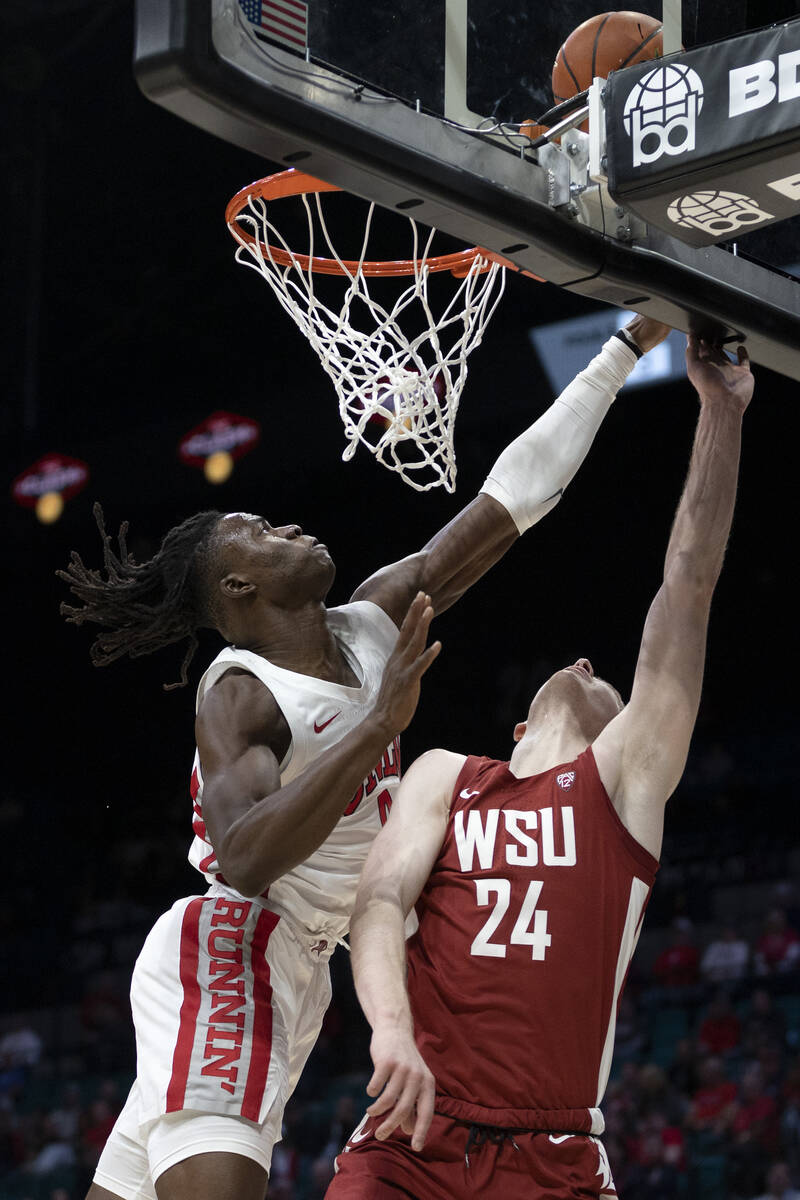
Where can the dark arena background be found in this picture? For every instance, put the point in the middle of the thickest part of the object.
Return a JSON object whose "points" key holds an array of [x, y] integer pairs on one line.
{"points": [[128, 323]]}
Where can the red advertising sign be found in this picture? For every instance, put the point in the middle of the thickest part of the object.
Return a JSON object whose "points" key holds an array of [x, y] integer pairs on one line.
{"points": [[51, 473], [222, 432]]}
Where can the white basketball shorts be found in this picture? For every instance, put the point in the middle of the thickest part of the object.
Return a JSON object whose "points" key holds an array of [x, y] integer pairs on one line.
{"points": [[227, 1000]]}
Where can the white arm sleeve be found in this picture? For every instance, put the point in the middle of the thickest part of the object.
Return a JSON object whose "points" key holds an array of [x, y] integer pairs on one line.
{"points": [[531, 474]]}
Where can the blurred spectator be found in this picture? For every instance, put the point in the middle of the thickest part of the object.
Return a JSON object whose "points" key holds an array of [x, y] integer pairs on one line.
{"points": [[20, 1050], [677, 965], [656, 1098], [754, 1132], [721, 1030], [97, 1125], [52, 1152], [652, 1172], [755, 1116], [621, 1167], [322, 1170], [674, 1143], [790, 1117], [344, 1120], [712, 1105], [281, 1189], [683, 1070], [65, 1119], [630, 1037], [283, 1169], [12, 1142], [778, 949], [771, 1058], [764, 1023], [106, 1020], [21, 1046], [619, 1108], [779, 1184], [669, 1134], [786, 895], [725, 959]]}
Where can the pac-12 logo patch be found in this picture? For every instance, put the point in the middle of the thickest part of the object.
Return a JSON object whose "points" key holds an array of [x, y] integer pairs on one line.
{"points": [[565, 780]]}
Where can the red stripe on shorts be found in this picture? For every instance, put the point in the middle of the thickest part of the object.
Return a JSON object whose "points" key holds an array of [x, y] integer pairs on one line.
{"points": [[189, 957], [262, 1017]]}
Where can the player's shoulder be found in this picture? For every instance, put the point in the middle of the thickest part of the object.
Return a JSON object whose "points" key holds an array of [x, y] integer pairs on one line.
{"points": [[426, 792], [392, 588], [239, 703], [436, 767]]}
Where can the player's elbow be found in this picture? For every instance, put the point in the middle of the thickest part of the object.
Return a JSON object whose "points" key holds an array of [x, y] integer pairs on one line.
{"points": [[245, 878], [246, 868]]}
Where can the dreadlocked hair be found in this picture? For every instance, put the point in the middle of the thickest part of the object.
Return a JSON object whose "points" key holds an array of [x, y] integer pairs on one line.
{"points": [[145, 606]]}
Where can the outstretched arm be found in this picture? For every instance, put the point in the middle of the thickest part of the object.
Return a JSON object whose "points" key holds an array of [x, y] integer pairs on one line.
{"points": [[260, 830], [641, 754], [394, 874], [525, 483]]}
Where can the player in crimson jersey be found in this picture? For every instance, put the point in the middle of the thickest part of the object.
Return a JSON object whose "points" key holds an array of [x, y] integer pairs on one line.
{"points": [[530, 880], [297, 762]]}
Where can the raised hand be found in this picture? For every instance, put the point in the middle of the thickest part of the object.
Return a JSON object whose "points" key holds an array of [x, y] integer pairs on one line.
{"points": [[716, 376], [408, 662], [405, 1084]]}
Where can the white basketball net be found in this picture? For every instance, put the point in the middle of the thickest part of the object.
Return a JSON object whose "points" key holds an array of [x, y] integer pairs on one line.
{"points": [[406, 388]]}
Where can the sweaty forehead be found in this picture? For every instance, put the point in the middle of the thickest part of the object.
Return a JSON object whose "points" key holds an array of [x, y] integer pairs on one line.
{"points": [[235, 528]]}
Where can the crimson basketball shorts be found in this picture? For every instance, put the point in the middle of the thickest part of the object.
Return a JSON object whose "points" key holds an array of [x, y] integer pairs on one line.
{"points": [[463, 1162], [228, 999]]}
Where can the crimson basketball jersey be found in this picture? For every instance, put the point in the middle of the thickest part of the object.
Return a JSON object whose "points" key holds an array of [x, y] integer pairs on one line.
{"points": [[527, 926]]}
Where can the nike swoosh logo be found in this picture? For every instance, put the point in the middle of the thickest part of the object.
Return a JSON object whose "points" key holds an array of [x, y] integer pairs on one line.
{"points": [[359, 1133], [325, 724], [466, 794]]}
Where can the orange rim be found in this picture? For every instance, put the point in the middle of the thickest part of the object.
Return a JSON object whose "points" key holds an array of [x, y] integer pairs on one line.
{"points": [[297, 183]]}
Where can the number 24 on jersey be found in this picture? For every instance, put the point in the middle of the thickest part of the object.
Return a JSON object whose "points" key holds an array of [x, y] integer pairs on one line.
{"points": [[530, 927]]}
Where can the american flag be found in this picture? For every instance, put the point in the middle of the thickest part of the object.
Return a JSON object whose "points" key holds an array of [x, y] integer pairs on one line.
{"points": [[283, 21]]}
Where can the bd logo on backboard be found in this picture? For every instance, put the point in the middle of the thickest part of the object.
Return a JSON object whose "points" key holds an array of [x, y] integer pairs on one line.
{"points": [[716, 212], [661, 111]]}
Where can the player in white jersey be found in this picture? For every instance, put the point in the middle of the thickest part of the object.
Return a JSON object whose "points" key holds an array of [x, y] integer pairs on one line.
{"points": [[297, 757]]}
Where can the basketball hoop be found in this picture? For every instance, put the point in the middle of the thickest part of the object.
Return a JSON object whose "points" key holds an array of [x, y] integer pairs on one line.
{"points": [[408, 387]]}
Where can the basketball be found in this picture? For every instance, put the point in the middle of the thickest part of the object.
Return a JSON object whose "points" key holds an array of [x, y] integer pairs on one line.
{"points": [[532, 129], [605, 43]]}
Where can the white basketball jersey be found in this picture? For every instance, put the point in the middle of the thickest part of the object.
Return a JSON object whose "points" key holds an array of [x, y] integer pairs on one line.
{"points": [[319, 893]]}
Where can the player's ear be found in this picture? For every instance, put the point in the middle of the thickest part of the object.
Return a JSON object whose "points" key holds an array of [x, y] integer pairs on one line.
{"points": [[519, 730], [233, 585]]}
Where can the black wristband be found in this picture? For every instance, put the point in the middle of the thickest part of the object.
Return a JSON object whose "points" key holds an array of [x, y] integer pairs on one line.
{"points": [[629, 342]]}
